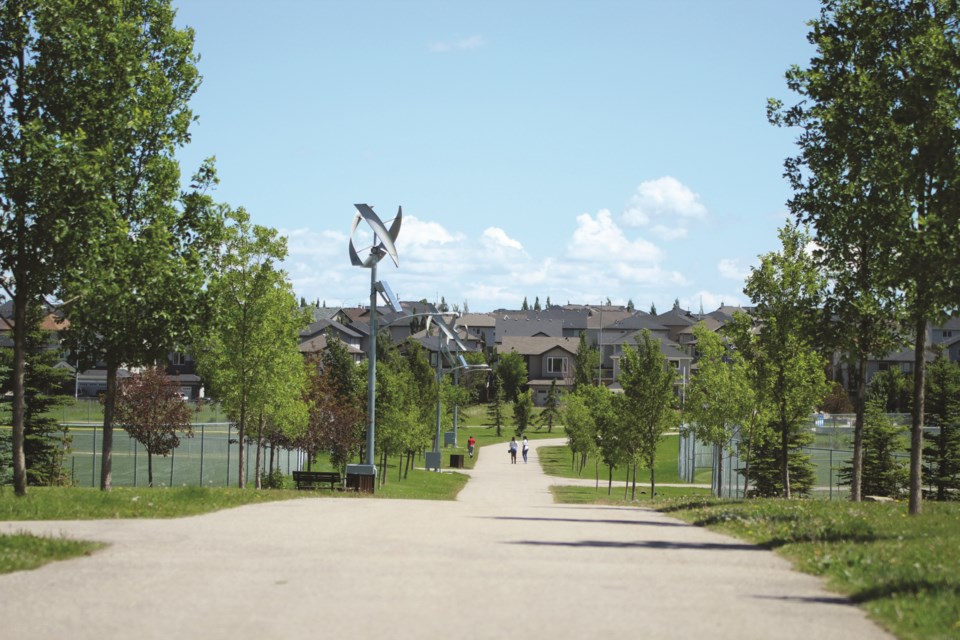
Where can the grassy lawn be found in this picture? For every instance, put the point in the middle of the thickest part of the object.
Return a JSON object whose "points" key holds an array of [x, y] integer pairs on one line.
{"points": [[76, 503], [591, 495], [22, 552], [558, 461], [905, 571]]}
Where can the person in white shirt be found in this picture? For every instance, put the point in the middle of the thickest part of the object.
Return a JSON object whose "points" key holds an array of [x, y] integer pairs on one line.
{"points": [[526, 447]]}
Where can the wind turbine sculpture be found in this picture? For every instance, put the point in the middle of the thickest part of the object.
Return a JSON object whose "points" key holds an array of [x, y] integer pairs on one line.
{"points": [[384, 243]]}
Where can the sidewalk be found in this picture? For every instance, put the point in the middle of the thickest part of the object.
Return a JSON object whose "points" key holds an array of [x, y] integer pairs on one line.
{"points": [[503, 561]]}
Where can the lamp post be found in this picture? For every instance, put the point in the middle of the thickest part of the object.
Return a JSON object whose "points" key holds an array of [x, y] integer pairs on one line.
{"points": [[383, 244], [433, 459]]}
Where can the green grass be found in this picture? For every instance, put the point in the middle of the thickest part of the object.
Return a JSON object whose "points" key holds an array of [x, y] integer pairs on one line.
{"points": [[75, 503], [904, 570], [591, 495], [22, 551], [423, 485], [558, 461]]}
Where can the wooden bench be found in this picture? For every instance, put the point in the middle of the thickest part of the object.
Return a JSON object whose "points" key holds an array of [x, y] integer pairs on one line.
{"points": [[313, 479]]}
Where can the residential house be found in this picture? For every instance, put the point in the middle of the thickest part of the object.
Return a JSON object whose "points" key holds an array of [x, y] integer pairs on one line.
{"points": [[674, 353], [549, 360]]}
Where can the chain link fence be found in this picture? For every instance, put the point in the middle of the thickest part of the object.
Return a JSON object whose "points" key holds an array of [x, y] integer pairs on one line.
{"points": [[831, 450]]}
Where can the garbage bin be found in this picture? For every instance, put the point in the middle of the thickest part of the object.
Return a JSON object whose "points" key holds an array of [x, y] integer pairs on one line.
{"points": [[361, 477], [456, 461]]}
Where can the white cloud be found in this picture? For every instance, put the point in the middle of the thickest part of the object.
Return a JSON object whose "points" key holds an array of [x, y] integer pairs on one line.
{"points": [[710, 301], [302, 242], [730, 269], [417, 233], [464, 44], [669, 233], [495, 237], [667, 201], [650, 276], [601, 239]]}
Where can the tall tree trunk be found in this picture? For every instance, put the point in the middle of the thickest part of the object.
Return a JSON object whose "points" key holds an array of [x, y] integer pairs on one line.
{"points": [[785, 455], [719, 471], [19, 369], [916, 428], [609, 479], [633, 491], [106, 448], [257, 460], [626, 482], [856, 479], [149, 468], [653, 477], [241, 477]]}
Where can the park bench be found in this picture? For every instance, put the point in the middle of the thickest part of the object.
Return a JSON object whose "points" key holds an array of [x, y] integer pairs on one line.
{"points": [[313, 479]]}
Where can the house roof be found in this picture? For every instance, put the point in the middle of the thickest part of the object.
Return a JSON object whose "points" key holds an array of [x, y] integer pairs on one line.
{"points": [[318, 344], [636, 322], [608, 317], [677, 317], [710, 322], [486, 320], [537, 345], [521, 327], [321, 326], [668, 348]]}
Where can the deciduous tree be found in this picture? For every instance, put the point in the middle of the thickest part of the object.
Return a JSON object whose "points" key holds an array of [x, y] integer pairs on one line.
{"points": [[880, 114], [647, 382], [257, 325], [787, 289], [720, 398], [152, 412]]}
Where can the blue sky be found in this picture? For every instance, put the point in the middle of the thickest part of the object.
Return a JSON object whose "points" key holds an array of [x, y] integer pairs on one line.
{"points": [[566, 149]]}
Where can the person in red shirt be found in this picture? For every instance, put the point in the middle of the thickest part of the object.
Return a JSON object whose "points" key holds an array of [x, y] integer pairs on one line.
{"points": [[471, 443]]}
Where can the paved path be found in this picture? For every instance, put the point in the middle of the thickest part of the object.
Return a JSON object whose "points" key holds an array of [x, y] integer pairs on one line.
{"points": [[501, 562]]}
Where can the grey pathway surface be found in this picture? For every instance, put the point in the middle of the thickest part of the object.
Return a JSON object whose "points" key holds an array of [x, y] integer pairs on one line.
{"points": [[501, 562]]}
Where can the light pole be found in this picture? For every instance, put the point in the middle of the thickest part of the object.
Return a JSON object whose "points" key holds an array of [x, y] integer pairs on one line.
{"points": [[383, 244], [433, 459]]}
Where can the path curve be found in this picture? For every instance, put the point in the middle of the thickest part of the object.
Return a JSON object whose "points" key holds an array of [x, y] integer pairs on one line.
{"points": [[503, 561]]}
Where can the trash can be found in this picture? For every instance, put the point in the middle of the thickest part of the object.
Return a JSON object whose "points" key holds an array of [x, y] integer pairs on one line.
{"points": [[361, 477], [456, 461]]}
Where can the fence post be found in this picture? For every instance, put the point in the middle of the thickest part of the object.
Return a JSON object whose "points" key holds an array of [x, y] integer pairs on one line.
{"points": [[201, 454], [93, 465], [173, 454], [228, 455]]}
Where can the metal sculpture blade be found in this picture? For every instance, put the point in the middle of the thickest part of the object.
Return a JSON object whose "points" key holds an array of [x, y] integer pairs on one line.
{"points": [[386, 237]]}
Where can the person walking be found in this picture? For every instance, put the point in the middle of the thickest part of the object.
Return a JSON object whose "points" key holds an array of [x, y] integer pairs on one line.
{"points": [[513, 450], [471, 443], [526, 447]]}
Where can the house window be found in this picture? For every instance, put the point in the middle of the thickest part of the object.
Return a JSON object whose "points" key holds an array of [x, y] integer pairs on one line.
{"points": [[557, 366], [178, 359]]}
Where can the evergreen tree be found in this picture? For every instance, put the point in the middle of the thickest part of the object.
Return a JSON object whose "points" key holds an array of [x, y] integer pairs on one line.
{"points": [[883, 474], [548, 305], [45, 442], [630, 306], [551, 408], [523, 411], [765, 473], [585, 363], [536, 303], [495, 407], [653, 309], [942, 453], [892, 389], [525, 306]]}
